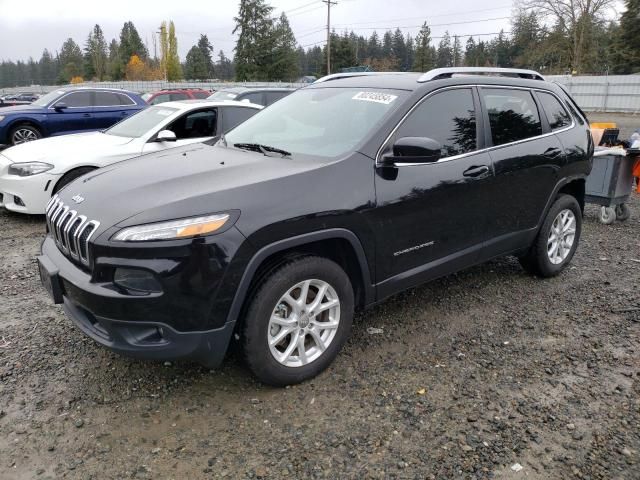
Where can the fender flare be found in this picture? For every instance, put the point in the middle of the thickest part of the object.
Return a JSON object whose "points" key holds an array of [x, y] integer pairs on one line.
{"points": [[554, 195], [285, 244]]}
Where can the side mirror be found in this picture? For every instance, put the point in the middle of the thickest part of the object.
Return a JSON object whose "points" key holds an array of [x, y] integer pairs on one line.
{"points": [[414, 150], [60, 106], [166, 136]]}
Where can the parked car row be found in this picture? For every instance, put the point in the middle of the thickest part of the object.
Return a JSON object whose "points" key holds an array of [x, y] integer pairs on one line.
{"points": [[332, 199]]}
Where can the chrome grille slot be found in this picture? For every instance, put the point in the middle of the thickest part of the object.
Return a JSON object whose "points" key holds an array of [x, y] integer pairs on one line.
{"points": [[70, 231]]}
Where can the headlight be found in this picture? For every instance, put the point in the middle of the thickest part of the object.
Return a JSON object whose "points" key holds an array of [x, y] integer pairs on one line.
{"points": [[185, 228], [27, 169]]}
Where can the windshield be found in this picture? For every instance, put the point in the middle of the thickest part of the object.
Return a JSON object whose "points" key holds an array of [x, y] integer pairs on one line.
{"points": [[48, 98], [142, 122], [325, 122], [223, 95]]}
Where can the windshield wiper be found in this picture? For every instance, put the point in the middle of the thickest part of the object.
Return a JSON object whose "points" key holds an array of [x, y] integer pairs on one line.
{"points": [[264, 149]]}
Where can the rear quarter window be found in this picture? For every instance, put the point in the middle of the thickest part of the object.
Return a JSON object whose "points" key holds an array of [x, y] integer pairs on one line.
{"points": [[556, 114]]}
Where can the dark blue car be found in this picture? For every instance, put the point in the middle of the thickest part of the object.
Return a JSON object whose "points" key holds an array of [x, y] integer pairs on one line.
{"points": [[67, 110]]}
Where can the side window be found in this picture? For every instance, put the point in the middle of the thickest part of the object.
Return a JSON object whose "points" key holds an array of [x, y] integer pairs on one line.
{"points": [[253, 97], [163, 97], [234, 116], [447, 117], [201, 123], [179, 96], [556, 114], [106, 99], [200, 95], [124, 100], [272, 97], [513, 115], [78, 99]]}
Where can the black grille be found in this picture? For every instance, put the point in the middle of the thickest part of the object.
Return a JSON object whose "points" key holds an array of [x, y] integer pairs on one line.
{"points": [[70, 230]]}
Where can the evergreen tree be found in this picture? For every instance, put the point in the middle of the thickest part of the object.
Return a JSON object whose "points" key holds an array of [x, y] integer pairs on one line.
{"points": [[71, 61], [195, 67], [387, 44], [374, 48], [48, 69], [284, 61], [399, 49], [444, 56], [411, 53], [458, 59], [96, 53], [130, 45], [207, 51], [424, 58], [255, 40], [114, 69], [626, 48], [224, 67], [470, 53]]}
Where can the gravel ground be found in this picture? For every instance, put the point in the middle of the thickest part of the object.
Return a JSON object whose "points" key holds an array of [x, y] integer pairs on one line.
{"points": [[473, 376]]}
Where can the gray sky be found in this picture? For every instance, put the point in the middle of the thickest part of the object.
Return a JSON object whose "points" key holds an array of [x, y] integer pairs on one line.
{"points": [[27, 28]]}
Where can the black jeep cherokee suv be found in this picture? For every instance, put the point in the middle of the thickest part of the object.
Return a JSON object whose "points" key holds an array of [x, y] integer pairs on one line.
{"points": [[334, 198]]}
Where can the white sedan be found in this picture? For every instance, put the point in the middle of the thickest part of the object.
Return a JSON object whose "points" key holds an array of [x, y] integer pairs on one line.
{"points": [[32, 172]]}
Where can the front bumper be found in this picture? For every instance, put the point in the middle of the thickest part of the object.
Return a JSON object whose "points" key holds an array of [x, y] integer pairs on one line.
{"points": [[152, 340], [156, 327], [26, 194]]}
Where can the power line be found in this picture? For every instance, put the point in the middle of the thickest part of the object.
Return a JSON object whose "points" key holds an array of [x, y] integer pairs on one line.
{"points": [[433, 25]]}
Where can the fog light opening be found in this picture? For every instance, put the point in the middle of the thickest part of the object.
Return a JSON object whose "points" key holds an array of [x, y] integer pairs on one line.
{"points": [[136, 281], [18, 201]]}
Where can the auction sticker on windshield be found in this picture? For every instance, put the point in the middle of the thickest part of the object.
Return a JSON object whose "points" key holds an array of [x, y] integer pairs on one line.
{"points": [[377, 97]]}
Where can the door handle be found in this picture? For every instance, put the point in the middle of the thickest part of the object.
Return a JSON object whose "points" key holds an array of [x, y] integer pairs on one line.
{"points": [[123, 113], [86, 114], [552, 153], [476, 171]]}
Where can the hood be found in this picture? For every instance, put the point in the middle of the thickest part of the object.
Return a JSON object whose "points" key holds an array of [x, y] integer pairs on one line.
{"points": [[16, 109], [66, 148], [181, 182]]}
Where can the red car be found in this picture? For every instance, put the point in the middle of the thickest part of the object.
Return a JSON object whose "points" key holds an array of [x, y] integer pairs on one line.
{"points": [[171, 95]]}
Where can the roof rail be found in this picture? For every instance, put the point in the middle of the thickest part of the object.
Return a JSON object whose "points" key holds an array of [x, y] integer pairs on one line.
{"points": [[337, 76], [439, 73]]}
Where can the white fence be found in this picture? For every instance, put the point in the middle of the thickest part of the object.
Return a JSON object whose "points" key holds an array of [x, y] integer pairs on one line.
{"points": [[613, 93], [606, 93], [151, 86]]}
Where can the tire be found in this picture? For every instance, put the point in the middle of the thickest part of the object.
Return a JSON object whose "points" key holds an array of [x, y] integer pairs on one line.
{"points": [[24, 133], [70, 176], [269, 302], [544, 258], [607, 215], [623, 212]]}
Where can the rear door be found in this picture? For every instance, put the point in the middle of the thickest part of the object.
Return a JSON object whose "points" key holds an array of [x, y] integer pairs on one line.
{"points": [[110, 108], [77, 115], [526, 157]]}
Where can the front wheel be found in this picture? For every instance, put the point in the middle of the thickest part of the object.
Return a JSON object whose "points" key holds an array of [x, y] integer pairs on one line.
{"points": [[557, 239], [298, 321], [23, 134]]}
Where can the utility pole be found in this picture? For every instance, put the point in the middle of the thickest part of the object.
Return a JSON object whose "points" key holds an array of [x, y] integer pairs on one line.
{"points": [[329, 3]]}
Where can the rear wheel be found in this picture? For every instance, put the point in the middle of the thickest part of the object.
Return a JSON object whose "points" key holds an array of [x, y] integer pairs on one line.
{"points": [[298, 321], [557, 239], [24, 133], [69, 177]]}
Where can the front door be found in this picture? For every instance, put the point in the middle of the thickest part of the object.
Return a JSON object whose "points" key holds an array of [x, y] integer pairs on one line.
{"points": [[194, 127], [432, 217], [76, 117]]}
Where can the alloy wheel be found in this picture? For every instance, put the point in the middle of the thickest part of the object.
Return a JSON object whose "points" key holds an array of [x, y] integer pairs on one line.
{"points": [[304, 323], [23, 135], [561, 236]]}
